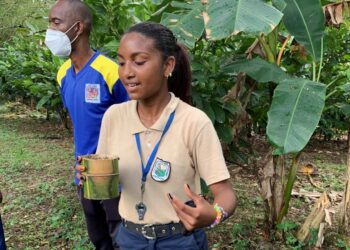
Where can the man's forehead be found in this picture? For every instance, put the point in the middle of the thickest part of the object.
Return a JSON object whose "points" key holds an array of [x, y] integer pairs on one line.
{"points": [[61, 10]]}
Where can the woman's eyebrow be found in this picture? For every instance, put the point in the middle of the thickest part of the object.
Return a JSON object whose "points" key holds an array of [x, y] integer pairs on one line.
{"points": [[133, 55]]}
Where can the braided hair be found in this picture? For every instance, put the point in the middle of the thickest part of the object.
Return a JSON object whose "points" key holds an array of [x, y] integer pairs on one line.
{"points": [[164, 40]]}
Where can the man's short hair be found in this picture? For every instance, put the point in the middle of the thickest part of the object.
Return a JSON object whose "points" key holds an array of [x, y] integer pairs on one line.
{"points": [[83, 13]]}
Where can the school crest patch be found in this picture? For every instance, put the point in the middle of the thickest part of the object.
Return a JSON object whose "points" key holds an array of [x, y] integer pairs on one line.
{"points": [[92, 93], [161, 170]]}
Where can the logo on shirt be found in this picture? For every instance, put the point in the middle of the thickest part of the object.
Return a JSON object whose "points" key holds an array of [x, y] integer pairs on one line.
{"points": [[161, 170], [92, 93]]}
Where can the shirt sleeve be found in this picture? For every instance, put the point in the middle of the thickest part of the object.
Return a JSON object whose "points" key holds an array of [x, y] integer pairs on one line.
{"points": [[208, 156], [119, 93], [61, 77], [60, 84]]}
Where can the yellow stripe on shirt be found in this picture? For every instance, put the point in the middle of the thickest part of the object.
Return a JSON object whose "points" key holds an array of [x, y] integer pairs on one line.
{"points": [[108, 69], [63, 71]]}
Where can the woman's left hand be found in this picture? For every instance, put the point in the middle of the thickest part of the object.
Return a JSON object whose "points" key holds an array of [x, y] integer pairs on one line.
{"points": [[79, 169], [193, 217]]}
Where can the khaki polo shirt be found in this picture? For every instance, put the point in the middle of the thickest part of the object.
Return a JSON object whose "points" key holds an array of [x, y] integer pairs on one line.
{"points": [[189, 150]]}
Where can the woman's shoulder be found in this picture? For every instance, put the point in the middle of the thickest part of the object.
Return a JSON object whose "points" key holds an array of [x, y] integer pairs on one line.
{"points": [[192, 122], [192, 113], [192, 118]]}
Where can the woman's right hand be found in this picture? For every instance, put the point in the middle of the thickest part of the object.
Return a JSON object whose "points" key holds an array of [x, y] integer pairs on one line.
{"points": [[79, 169]]}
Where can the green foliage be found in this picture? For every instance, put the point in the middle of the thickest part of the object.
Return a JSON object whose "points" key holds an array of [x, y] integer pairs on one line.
{"points": [[186, 21], [297, 104], [336, 72], [279, 4], [27, 69], [287, 226], [258, 69], [294, 114], [20, 15], [28, 72], [238, 233], [113, 17], [342, 245], [227, 17], [210, 84], [110, 19], [305, 21], [288, 229]]}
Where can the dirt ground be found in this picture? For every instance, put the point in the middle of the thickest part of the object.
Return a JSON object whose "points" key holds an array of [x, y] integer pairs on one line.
{"points": [[327, 160], [246, 228]]}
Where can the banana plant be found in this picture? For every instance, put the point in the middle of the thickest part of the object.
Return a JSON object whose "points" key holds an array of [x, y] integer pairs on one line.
{"points": [[297, 103]]}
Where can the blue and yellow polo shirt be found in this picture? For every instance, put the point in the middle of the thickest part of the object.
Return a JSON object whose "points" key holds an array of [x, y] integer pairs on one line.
{"points": [[87, 95]]}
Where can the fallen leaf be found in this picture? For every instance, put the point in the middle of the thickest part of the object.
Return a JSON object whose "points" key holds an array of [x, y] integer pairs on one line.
{"points": [[308, 169]]}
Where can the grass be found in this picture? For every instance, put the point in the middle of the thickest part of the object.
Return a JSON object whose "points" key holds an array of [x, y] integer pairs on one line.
{"points": [[41, 209]]}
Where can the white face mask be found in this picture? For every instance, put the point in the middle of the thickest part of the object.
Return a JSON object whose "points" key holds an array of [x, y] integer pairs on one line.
{"points": [[58, 42]]}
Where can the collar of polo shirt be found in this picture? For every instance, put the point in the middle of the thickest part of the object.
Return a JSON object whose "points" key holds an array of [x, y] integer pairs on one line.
{"points": [[138, 127]]}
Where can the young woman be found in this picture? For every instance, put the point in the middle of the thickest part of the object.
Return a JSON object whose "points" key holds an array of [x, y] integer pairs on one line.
{"points": [[165, 146]]}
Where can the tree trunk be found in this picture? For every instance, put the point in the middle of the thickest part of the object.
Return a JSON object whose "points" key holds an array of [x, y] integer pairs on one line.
{"points": [[271, 180], [345, 208], [278, 188], [288, 188]]}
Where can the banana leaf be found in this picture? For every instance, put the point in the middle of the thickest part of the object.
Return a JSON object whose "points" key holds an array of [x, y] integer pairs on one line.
{"points": [[186, 23], [294, 114], [258, 69], [304, 19], [229, 17]]}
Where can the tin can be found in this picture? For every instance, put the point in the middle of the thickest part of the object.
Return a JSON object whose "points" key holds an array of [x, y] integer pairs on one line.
{"points": [[101, 177]]}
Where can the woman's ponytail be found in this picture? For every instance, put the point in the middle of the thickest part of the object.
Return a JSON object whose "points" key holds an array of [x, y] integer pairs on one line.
{"points": [[180, 81]]}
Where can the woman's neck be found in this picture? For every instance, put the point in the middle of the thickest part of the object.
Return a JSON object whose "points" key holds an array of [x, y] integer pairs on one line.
{"points": [[150, 111]]}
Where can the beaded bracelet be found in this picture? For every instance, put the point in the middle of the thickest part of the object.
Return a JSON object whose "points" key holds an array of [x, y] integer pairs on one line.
{"points": [[221, 215]]}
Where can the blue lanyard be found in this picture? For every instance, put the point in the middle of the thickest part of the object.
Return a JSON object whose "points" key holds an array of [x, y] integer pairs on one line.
{"points": [[146, 169]]}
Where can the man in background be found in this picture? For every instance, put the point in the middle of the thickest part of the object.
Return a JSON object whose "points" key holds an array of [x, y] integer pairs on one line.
{"points": [[89, 84]]}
